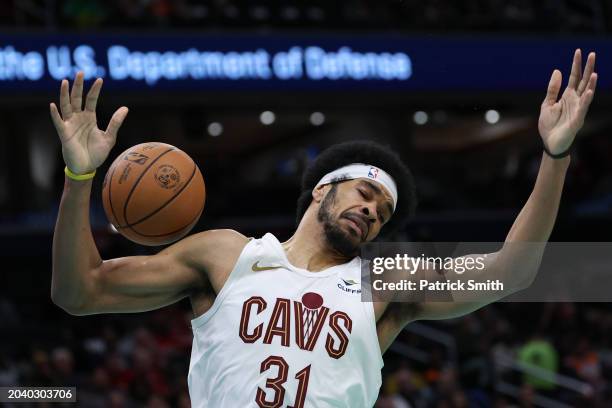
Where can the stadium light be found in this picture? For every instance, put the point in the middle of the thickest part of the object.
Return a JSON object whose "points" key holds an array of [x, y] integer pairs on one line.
{"points": [[317, 118], [267, 117], [492, 116], [215, 129], [420, 117]]}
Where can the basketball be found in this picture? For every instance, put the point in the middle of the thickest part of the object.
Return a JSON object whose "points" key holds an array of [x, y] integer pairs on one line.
{"points": [[153, 193]]}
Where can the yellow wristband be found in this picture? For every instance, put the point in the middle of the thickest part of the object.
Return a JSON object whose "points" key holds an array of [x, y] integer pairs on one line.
{"points": [[79, 177]]}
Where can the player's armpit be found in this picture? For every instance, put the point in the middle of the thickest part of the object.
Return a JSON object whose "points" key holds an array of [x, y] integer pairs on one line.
{"points": [[141, 283]]}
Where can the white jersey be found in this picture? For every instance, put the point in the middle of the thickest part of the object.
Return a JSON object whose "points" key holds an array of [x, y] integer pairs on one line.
{"points": [[281, 336]]}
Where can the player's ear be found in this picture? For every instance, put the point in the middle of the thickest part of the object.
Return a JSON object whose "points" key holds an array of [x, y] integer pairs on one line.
{"points": [[319, 192]]}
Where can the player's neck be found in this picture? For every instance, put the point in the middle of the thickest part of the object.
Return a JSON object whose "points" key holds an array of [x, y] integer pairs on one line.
{"points": [[307, 249]]}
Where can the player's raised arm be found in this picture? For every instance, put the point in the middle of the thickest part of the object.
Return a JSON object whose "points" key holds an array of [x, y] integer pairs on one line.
{"points": [[84, 148], [82, 283], [516, 264]]}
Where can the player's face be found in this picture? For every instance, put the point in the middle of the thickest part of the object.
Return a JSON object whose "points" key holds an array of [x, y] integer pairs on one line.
{"points": [[353, 212]]}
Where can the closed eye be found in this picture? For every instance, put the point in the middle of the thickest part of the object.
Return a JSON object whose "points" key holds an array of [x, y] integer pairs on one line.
{"points": [[364, 195]]}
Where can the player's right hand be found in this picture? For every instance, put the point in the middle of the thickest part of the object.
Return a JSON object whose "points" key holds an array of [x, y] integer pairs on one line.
{"points": [[84, 146]]}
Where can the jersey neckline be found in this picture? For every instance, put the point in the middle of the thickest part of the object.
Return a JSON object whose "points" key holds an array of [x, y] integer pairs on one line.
{"points": [[305, 272]]}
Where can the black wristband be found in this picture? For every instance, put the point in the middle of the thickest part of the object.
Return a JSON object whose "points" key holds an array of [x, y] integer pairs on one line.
{"points": [[559, 155]]}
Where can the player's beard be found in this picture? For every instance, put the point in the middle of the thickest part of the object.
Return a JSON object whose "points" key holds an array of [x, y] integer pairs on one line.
{"points": [[338, 238]]}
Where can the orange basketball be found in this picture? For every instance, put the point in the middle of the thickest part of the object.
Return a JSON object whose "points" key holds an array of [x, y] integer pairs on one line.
{"points": [[153, 193]]}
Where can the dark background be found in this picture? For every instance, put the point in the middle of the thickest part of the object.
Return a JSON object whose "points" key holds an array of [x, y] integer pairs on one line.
{"points": [[472, 179]]}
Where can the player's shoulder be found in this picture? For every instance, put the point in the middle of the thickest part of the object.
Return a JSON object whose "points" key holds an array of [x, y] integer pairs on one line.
{"points": [[226, 239], [215, 250]]}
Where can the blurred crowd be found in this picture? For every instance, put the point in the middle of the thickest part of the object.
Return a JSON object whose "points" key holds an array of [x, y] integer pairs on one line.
{"points": [[127, 361], [496, 346], [593, 16], [142, 360], [495, 181]]}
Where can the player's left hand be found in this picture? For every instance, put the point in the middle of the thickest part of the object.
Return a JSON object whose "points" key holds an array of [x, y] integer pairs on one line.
{"points": [[561, 120]]}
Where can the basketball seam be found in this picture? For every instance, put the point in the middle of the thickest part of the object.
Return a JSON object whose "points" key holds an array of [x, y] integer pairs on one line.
{"points": [[127, 201], [171, 232], [146, 217]]}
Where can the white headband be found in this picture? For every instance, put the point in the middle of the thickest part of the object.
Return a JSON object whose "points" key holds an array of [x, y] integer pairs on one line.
{"points": [[361, 170]]}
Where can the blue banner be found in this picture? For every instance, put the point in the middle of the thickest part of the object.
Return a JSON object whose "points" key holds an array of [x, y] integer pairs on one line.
{"points": [[274, 62]]}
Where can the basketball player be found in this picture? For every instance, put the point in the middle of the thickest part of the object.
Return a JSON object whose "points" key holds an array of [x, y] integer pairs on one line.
{"points": [[274, 325]]}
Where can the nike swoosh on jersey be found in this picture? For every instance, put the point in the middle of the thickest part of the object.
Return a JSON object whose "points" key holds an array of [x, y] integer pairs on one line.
{"points": [[348, 282], [257, 268]]}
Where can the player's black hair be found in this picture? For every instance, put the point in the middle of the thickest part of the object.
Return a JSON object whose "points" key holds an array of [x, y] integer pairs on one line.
{"points": [[368, 152]]}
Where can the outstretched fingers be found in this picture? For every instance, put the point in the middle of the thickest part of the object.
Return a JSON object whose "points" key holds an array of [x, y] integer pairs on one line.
{"points": [[116, 121], [554, 85], [65, 100], [587, 97], [76, 96], [56, 118], [588, 71], [592, 82], [92, 96], [576, 73]]}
